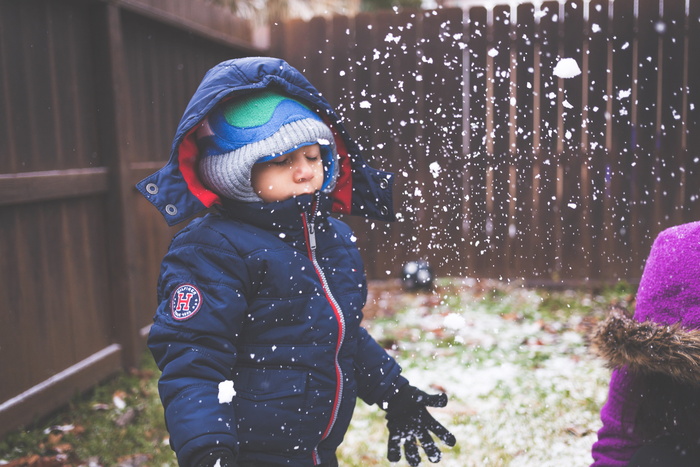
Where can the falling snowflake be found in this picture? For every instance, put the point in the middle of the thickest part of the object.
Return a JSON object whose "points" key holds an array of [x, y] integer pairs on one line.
{"points": [[624, 93], [392, 38]]}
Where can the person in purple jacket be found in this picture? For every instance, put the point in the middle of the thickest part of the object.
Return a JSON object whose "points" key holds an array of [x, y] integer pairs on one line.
{"points": [[257, 330], [652, 414]]}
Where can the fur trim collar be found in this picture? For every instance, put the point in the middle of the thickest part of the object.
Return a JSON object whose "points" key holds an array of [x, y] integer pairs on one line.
{"points": [[649, 347]]}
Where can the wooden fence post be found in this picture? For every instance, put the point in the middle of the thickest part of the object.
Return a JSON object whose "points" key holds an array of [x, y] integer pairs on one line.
{"points": [[116, 135]]}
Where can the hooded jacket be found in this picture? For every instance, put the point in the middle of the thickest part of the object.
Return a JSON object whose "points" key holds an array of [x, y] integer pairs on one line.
{"points": [[268, 296], [663, 337]]}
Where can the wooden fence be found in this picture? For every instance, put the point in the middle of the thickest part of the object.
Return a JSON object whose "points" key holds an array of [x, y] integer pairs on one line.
{"points": [[90, 94], [505, 169]]}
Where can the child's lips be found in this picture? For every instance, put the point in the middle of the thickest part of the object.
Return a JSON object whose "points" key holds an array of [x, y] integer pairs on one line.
{"points": [[307, 190]]}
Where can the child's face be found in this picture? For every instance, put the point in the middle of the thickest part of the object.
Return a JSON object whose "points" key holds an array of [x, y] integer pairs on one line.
{"points": [[296, 173]]}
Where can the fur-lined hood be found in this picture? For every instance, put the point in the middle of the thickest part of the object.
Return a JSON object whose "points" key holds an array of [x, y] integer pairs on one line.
{"points": [[647, 347]]}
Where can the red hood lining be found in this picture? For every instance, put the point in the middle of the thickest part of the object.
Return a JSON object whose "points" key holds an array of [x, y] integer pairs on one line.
{"points": [[188, 154]]}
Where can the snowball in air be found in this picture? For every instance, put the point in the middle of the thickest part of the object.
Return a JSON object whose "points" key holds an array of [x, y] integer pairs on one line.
{"points": [[454, 321], [226, 392], [567, 68]]}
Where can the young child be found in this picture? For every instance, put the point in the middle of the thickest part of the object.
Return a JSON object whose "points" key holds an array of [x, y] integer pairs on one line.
{"points": [[266, 294], [652, 415]]}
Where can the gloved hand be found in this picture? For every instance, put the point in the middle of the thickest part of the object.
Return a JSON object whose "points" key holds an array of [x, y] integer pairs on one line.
{"points": [[409, 422], [219, 457]]}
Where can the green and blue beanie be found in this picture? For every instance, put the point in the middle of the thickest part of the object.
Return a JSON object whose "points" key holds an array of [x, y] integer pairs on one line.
{"points": [[258, 127]]}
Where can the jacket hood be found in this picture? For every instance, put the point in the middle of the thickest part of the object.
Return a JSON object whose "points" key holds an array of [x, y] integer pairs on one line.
{"points": [[646, 347], [669, 290], [176, 190]]}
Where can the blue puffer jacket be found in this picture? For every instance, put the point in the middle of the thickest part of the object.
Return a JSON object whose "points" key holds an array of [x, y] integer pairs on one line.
{"points": [[266, 295]]}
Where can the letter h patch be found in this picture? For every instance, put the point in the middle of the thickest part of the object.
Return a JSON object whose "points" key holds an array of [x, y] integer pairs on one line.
{"points": [[185, 302]]}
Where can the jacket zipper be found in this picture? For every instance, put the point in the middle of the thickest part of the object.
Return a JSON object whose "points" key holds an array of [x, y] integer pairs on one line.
{"points": [[310, 232]]}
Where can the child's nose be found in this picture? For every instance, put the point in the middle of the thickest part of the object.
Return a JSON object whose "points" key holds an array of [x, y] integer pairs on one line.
{"points": [[303, 170]]}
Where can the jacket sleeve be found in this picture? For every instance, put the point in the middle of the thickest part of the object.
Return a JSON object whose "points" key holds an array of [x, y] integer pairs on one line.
{"points": [[617, 442], [193, 340], [378, 374]]}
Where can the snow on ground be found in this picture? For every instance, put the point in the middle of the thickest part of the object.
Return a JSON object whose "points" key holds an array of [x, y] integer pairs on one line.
{"points": [[524, 389]]}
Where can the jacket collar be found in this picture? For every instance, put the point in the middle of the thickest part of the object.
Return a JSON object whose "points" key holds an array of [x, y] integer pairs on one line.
{"points": [[648, 347], [282, 216]]}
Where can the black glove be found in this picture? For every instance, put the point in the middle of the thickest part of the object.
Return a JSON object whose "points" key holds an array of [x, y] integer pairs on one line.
{"points": [[409, 422], [209, 458]]}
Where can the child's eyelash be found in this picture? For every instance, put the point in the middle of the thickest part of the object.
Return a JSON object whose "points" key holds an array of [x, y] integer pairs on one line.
{"points": [[286, 160]]}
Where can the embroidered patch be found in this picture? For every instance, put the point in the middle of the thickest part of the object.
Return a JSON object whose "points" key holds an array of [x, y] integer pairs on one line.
{"points": [[185, 302]]}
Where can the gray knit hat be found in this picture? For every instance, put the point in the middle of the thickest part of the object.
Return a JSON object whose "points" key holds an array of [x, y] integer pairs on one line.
{"points": [[257, 128]]}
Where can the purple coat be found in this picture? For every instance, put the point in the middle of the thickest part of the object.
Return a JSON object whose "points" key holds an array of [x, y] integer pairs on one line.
{"points": [[667, 320]]}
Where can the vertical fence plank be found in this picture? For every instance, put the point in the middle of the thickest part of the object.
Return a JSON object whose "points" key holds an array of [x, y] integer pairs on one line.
{"points": [[442, 158], [546, 266], [278, 39], [19, 351], [571, 213], [524, 145], [54, 323], [16, 371], [8, 91], [645, 217], [475, 170], [317, 56], [501, 160], [408, 132], [116, 132], [671, 107], [33, 20], [382, 97], [343, 32], [618, 177], [595, 137], [297, 44], [365, 104], [342, 74]]}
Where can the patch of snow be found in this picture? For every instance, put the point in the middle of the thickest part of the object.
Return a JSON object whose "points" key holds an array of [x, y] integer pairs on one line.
{"points": [[226, 392]]}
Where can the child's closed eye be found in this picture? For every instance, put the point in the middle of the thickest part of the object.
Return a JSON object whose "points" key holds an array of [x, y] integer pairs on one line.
{"points": [[282, 160]]}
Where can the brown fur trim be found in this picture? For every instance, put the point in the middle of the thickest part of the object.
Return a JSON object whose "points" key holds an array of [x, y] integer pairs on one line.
{"points": [[649, 347]]}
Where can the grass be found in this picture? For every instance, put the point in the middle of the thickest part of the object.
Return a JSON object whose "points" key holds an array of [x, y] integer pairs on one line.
{"points": [[118, 423], [524, 388]]}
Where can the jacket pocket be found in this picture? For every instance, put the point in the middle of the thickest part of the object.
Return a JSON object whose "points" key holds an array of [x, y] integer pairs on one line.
{"points": [[275, 411]]}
